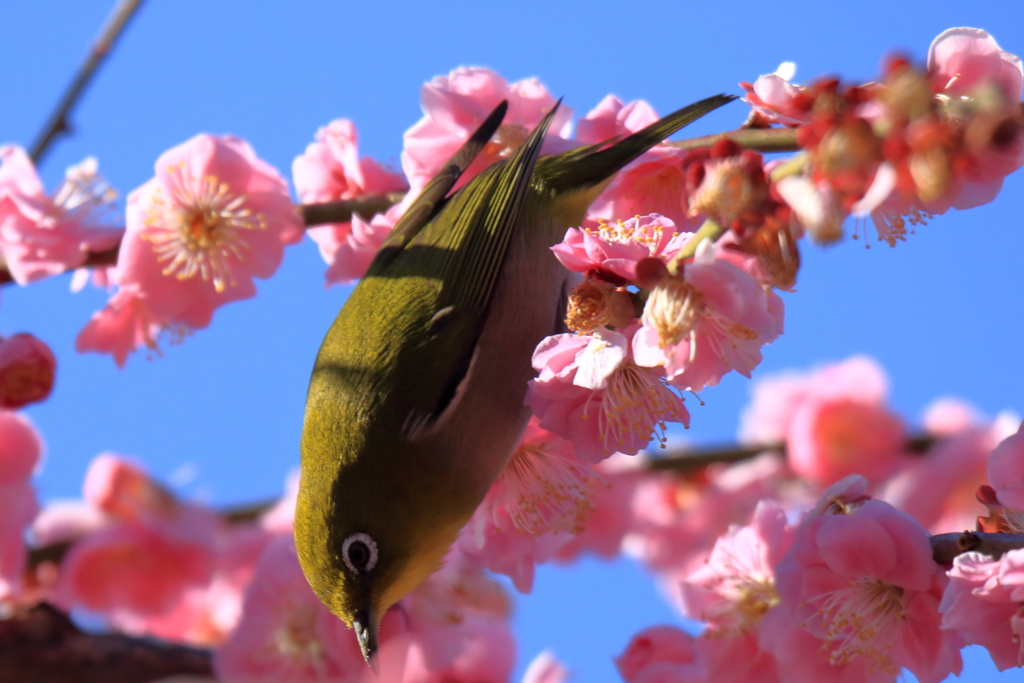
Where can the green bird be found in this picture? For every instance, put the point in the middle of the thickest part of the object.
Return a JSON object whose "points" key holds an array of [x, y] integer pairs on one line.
{"points": [[416, 398]]}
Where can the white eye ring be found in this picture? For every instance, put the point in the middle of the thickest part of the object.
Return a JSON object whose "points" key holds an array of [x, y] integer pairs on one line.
{"points": [[370, 544]]}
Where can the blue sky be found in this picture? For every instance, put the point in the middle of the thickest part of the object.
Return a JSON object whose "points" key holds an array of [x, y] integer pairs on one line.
{"points": [[221, 413]]}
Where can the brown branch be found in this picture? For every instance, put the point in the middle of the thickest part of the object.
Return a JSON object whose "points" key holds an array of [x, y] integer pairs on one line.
{"points": [[41, 644], [58, 122], [688, 460], [947, 546], [757, 139]]}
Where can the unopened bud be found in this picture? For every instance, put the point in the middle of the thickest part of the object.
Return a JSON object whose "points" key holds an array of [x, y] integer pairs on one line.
{"points": [[27, 368]]}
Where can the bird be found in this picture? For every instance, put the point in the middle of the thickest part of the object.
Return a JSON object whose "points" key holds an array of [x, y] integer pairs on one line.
{"points": [[415, 401]]}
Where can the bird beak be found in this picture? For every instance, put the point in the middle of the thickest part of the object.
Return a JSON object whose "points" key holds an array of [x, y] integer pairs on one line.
{"points": [[365, 625]]}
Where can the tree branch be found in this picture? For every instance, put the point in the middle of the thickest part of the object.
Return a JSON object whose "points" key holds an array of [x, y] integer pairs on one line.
{"points": [[58, 122], [41, 644], [945, 547], [757, 139]]}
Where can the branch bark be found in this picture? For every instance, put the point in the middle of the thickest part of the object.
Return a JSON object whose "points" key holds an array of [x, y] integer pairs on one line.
{"points": [[945, 547], [58, 122], [41, 644]]}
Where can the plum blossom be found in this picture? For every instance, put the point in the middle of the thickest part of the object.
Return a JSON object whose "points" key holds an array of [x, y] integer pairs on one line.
{"points": [[776, 99], [42, 236], [736, 586], [591, 392], [545, 668], [611, 118], [660, 654], [962, 60], [125, 325], [983, 603], [331, 170], [610, 252], [456, 104], [834, 421], [712, 319], [214, 217], [1006, 471], [543, 496], [150, 551], [20, 451], [859, 600]]}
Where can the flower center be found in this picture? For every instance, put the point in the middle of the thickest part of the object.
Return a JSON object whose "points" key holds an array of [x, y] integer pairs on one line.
{"points": [[862, 620], [623, 232], [635, 401], [201, 229], [543, 491], [673, 309]]}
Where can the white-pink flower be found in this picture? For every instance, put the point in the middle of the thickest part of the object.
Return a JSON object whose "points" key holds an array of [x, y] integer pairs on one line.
{"points": [[591, 392], [713, 319], [214, 217], [41, 235], [331, 170], [456, 104]]}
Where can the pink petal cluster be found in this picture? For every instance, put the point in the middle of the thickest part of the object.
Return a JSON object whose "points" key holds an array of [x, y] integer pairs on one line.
{"points": [[214, 217], [611, 251], [654, 183], [1006, 471], [42, 236], [20, 451], [331, 170], [661, 654], [545, 668], [591, 392], [542, 497], [963, 60], [149, 552], [835, 421], [983, 603], [938, 488], [777, 100], [453, 107], [713, 319], [859, 600]]}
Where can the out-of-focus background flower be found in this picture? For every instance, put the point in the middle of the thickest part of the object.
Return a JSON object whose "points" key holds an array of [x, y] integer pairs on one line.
{"points": [[219, 417]]}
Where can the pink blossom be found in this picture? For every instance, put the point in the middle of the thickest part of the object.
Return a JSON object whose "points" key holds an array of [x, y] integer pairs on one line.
{"points": [[545, 668], [843, 425], [612, 515], [611, 251], [653, 184], [118, 487], [774, 400], [124, 325], [860, 595], [675, 521], [331, 170], [18, 507], [1006, 471], [541, 498], [611, 119], [950, 416], [214, 217], [960, 60], [285, 633], [983, 603], [453, 107], [776, 99], [349, 248], [736, 586], [590, 392], [713, 319], [20, 448], [816, 206], [938, 489], [42, 236], [661, 654]]}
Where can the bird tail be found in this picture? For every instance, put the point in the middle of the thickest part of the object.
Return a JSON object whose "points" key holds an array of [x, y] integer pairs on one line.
{"points": [[590, 166]]}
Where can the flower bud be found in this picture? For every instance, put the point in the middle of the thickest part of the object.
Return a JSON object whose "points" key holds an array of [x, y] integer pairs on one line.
{"points": [[27, 368]]}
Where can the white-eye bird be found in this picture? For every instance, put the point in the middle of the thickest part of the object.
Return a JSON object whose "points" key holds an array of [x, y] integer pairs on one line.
{"points": [[416, 398]]}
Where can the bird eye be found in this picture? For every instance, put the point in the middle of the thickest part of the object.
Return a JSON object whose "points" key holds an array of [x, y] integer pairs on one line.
{"points": [[359, 552]]}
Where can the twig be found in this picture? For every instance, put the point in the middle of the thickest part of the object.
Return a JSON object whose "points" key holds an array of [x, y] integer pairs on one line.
{"points": [[41, 644], [945, 547], [58, 122], [757, 139], [689, 460]]}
